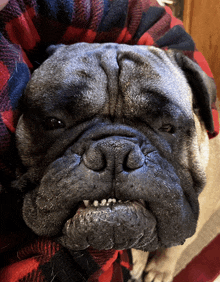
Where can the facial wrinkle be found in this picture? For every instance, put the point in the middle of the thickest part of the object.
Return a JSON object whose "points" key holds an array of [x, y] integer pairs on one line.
{"points": [[111, 68]]}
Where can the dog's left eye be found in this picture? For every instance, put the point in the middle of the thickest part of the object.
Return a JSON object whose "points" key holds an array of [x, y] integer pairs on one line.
{"points": [[52, 123], [167, 128]]}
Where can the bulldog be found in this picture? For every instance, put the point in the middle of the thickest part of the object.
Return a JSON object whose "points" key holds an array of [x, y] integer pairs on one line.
{"points": [[114, 146]]}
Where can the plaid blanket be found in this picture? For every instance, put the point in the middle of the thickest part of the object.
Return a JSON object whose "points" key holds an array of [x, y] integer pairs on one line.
{"points": [[44, 260], [27, 27]]}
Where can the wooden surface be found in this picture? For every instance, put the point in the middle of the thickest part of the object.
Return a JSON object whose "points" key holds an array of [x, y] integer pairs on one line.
{"points": [[201, 19]]}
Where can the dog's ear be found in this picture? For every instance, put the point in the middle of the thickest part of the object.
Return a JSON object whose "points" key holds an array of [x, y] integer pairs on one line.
{"points": [[203, 88], [53, 48]]}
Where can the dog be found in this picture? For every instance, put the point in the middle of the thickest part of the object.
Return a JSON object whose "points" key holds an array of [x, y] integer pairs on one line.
{"points": [[115, 152]]}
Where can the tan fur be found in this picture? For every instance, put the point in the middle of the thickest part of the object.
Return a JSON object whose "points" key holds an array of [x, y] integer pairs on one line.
{"points": [[162, 266]]}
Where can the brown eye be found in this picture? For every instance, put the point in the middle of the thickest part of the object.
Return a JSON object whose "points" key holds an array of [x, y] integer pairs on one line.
{"points": [[52, 123], [168, 128]]}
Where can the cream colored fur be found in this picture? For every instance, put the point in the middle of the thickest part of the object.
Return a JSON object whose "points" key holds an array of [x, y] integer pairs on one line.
{"points": [[161, 268], [163, 2]]}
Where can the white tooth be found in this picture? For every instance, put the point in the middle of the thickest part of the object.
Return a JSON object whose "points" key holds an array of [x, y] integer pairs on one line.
{"points": [[86, 203], [95, 203], [103, 202], [110, 200]]}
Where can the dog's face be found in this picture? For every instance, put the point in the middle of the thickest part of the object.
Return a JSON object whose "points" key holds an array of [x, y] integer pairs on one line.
{"points": [[109, 143]]}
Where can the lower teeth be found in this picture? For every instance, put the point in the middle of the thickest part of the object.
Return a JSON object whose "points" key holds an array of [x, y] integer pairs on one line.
{"points": [[103, 202]]}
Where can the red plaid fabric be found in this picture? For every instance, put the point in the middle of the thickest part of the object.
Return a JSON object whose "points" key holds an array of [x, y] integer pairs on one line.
{"points": [[44, 260], [27, 27]]}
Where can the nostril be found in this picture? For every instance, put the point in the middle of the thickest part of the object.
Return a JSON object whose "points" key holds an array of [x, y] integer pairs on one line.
{"points": [[115, 153], [134, 159], [94, 159]]}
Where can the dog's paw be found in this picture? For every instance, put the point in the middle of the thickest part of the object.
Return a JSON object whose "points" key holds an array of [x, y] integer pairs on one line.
{"points": [[139, 263], [160, 268]]}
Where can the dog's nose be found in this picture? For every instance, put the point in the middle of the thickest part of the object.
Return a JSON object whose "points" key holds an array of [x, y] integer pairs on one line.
{"points": [[114, 153]]}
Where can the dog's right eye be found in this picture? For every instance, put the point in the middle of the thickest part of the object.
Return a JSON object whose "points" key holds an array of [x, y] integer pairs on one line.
{"points": [[52, 123]]}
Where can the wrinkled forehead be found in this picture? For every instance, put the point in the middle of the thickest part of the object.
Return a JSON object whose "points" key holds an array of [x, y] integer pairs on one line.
{"points": [[148, 68]]}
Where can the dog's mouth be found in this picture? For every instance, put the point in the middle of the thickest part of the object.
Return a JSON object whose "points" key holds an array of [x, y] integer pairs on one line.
{"points": [[110, 224], [109, 202]]}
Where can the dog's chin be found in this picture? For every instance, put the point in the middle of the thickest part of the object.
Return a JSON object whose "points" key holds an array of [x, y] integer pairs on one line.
{"points": [[110, 225]]}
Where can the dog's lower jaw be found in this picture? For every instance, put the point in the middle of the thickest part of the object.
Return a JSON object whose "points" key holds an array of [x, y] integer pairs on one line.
{"points": [[118, 226]]}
